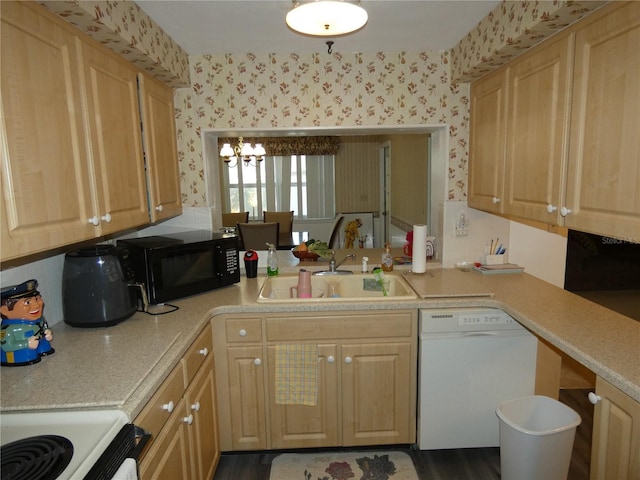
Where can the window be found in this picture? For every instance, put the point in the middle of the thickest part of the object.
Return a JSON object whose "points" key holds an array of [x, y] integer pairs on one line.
{"points": [[302, 183]]}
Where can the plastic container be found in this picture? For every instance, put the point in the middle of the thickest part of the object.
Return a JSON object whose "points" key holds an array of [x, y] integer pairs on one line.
{"points": [[272, 261], [251, 263], [536, 438], [387, 258]]}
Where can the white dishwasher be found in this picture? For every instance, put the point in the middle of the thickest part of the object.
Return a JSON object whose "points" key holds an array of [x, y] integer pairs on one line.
{"points": [[471, 360]]}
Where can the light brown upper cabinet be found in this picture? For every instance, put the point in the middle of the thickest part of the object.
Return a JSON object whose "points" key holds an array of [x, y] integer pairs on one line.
{"points": [[161, 151], [572, 154], [46, 192], [113, 119], [487, 141], [73, 167], [537, 129], [603, 182]]}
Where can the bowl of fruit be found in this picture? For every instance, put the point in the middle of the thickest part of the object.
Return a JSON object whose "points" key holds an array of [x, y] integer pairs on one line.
{"points": [[311, 250]]}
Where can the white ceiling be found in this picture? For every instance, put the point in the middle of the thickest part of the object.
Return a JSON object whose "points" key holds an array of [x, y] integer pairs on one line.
{"points": [[258, 26]]}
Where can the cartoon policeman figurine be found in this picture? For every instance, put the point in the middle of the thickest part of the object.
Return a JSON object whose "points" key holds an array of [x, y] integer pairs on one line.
{"points": [[25, 335]]}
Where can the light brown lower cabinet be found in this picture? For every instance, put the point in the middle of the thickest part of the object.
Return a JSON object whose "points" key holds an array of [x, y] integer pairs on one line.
{"points": [[367, 380], [181, 417], [615, 450]]}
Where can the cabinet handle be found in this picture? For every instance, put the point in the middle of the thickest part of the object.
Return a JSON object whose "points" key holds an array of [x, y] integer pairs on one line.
{"points": [[95, 221], [188, 420], [168, 406], [159, 208], [330, 359], [257, 362], [106, 218], [594, 398], [348, 360], [195, 406], [495, 200], [551, 208], [564, 211], [204, 351], [242, 332]]}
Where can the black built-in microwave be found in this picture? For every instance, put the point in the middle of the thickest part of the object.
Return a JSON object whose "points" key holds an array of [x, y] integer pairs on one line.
{"points": [[177, 265]]}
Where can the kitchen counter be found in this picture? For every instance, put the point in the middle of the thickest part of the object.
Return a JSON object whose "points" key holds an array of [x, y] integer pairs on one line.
{"points": [[122, 366]]}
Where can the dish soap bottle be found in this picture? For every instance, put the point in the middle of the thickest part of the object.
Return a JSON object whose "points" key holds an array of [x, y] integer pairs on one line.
{"points": [[387, 259], [272, 260]]}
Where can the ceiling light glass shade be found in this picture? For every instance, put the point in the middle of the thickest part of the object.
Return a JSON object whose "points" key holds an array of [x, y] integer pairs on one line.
{"points": [[226, 151], [327, 18], [247, 150], [259, 151]]}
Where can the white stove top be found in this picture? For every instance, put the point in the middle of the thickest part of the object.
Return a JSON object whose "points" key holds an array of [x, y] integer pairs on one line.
{"points": [[90, 432]]}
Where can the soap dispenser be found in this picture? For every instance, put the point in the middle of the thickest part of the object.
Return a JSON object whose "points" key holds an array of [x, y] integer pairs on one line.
{"points": [[387, 259], [272, 260]]}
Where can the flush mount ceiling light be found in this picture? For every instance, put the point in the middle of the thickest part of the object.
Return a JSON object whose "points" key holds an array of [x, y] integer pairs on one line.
{"points": [[326, 18]]}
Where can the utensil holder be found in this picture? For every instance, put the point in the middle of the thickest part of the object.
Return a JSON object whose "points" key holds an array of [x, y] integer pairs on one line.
{"points": [[493, 259]]}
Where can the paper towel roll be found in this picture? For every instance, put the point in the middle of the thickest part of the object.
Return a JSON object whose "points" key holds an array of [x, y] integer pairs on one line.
{"points": [[419, 257]]}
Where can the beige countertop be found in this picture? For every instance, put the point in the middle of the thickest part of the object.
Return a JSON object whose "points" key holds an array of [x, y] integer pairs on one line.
{"points": [[121, 366]]}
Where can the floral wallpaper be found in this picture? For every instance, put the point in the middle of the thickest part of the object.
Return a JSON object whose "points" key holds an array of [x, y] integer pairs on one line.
{"points": [[511, 28], [294, 90]]}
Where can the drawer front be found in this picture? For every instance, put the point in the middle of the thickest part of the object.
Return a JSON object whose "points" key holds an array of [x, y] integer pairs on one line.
{"points": [[243, 330], [196, 355], [157, 411], [391, 324]]}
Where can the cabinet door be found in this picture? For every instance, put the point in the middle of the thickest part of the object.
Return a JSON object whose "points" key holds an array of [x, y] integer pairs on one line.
{"points": [[168, 457], [378, 394], [615, 451], [46, 197], [603, 185], [113, 118], [487, 141], [200, 398], [303, 426], [537, 131], [161, 151], [247, 397]]}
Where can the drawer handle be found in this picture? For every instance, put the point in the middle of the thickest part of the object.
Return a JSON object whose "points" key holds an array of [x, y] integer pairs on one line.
{"points": [[195, 406], [188, 420], [330, 359], [168, 406], [242, 332], [594, 398], [348, 360], [204, 351], [257, 362]]}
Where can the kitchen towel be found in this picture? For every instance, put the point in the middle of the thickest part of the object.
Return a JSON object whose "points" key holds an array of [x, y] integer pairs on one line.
{"points": [[296, 374], [127, 471], [419, 257]]}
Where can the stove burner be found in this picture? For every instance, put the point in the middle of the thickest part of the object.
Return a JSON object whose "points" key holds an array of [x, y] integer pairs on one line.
{"points": [[43, 457]]}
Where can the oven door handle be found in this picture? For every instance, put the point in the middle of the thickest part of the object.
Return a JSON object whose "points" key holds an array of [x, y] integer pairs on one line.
{"points": [[142, 437]]}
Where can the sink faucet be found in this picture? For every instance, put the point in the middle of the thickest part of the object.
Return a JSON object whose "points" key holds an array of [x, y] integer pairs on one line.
{"points": [[333, 266]]}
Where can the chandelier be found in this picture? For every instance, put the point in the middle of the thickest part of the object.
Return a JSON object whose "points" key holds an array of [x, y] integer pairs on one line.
{"points": [[230, 155], [326, 18]]}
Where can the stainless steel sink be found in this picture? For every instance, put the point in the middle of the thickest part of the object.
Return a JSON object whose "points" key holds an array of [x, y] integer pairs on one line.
{"points": [[340, 288]]}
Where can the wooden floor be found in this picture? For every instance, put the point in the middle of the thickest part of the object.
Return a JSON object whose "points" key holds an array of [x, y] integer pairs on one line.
{"points": [[470, 463]]}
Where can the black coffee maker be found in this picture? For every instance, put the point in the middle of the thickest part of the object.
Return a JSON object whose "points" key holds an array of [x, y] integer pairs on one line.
{"points": [[97, 287]]}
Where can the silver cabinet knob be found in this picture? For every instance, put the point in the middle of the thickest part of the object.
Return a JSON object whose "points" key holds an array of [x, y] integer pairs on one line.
{"points": [[257, 362], [188, 420], [564, 211], [195, 406], [204, 352], [551, 208], [106, 218], [168, 406], [330, 359], [159, 208], [594, 398], [95, 221], [495, 200], [348, 359], [242, 332]]}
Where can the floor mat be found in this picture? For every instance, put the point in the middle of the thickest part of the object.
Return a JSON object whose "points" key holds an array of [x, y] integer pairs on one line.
{"points": [[371, 465]]}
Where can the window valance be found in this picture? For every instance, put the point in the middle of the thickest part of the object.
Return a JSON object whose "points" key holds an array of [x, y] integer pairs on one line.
{"points": [[283, 146]]}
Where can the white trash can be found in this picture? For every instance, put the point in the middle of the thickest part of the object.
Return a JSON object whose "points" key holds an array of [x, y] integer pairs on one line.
{"points": [[536, 438]]}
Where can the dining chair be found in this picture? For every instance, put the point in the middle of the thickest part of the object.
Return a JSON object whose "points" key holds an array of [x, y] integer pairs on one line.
{"points": [[335, 237], [285, 219], [232, 219], [255, 236]]}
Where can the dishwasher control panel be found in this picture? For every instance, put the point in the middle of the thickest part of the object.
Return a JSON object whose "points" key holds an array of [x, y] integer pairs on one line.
{"points": [[466, 319]]}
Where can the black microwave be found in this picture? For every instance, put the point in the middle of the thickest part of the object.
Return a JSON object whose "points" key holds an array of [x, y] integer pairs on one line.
{"points": [[181, 264]]}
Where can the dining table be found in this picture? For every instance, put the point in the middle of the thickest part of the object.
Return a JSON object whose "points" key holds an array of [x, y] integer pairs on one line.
{"points": [[289, 240]]}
